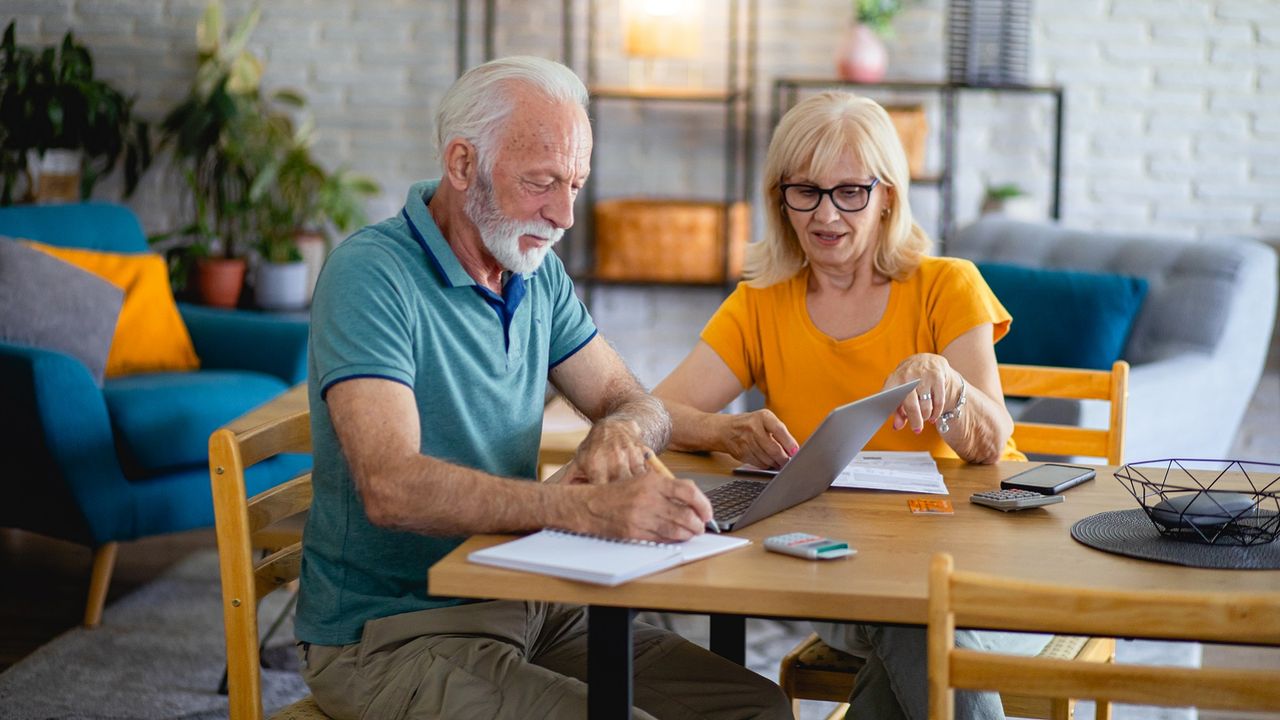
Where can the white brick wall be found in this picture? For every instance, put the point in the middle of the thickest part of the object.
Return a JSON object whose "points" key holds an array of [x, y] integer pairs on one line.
{"points": [[1171, 124]]}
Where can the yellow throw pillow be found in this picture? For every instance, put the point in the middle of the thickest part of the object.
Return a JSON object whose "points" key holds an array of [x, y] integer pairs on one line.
{"points": [[150, 335]]}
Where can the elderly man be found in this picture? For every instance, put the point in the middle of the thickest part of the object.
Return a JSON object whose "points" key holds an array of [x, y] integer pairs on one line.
{"points": [[433, 335]]}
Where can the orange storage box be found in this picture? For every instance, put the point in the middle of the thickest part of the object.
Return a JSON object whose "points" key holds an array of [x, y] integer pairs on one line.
{"points": [[913, 129], [645, 240]]}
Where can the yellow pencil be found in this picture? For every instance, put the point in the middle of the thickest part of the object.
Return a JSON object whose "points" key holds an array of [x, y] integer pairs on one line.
{"points": [[662, 469]]}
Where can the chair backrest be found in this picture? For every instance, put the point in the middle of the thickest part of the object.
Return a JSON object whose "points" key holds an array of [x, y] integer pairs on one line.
{"points": [[1033, 381], [91, 225], [963, 599], [237, 520]]}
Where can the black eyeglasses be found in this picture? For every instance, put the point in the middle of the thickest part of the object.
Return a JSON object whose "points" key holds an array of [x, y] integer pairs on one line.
{"points": [[848, 198]]}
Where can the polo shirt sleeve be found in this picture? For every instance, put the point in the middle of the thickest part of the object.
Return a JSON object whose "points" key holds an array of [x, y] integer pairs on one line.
{"points": [[360, 320], [571, 324], [731, 333], [961, 300]]}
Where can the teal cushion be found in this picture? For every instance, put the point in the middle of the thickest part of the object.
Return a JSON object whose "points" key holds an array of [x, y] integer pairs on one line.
{"points": [[1064, 318], [162, 421]]}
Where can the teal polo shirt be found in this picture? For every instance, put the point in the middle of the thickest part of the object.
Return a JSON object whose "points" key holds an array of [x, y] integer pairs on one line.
{"points": [[393, 302]]}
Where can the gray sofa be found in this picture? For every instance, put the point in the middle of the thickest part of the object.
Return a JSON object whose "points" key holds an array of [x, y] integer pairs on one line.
{"points": [[1198, 344]]}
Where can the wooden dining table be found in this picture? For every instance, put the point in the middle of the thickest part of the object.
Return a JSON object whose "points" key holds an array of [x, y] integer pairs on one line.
{"points": [[885, 581]]}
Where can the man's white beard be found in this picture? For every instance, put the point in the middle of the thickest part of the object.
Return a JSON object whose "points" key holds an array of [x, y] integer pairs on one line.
{"points": [[501, 235]]}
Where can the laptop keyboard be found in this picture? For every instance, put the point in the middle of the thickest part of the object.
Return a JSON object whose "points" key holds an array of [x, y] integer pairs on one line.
{"points": [[733, 498]]}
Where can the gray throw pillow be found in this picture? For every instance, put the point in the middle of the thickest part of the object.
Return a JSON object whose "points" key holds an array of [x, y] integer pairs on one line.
{"points": [[54, 305]]}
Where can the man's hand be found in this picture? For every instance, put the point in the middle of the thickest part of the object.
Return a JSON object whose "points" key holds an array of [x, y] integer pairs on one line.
{"points": [[614, 450], [645, 507], [759, 438]]}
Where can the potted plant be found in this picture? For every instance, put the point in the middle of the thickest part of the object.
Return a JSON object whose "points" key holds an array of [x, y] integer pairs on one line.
{"points": [[1010, 200], [55, 113], [298, 199], [211, 135]]}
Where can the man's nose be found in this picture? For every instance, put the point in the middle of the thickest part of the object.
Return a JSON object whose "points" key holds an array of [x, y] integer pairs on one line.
{"points": [[559, 210]]}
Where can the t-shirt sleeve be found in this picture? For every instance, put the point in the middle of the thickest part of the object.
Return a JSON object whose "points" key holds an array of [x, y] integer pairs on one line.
{"points": [[961, 300], [731, 333], [360, 321], [571, 324]]}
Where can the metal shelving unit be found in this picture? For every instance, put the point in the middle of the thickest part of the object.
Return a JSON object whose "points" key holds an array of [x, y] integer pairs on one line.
{"points": [[786, 92], [736, 98]]}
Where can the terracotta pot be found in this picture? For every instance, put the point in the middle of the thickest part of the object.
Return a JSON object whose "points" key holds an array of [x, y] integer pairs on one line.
{"points": [[862, 56], [219, 281]]}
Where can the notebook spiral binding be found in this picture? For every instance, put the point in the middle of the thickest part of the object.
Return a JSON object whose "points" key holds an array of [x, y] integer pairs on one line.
{"points": [[618, 541]]}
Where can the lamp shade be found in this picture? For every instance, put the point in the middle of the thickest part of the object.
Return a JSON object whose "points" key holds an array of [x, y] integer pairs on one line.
{"points": [[662, 29]]}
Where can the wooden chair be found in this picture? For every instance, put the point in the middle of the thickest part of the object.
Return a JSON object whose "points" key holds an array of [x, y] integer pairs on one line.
{"points": [[1033, 381], [814, 670], [964, 599], [244, 523]]}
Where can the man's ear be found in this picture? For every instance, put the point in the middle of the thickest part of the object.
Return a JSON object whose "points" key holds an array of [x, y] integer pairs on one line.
{"points": [[460, 163]]}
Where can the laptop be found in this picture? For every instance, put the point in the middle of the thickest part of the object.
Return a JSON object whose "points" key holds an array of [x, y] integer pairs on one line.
{"points": [[738, 502]]}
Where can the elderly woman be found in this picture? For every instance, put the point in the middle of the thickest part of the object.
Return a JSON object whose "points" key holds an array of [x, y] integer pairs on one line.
{"points": [[841, 300]]}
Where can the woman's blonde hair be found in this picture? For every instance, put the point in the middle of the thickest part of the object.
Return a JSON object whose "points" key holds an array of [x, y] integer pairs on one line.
{"points": [[812, 138]]}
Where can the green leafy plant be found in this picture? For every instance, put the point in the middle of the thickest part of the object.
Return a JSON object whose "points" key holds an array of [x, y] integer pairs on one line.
{"points": [[1003, 192], [253, 180], [206, 133], [877, 14], [295, 194], [49, 99]]}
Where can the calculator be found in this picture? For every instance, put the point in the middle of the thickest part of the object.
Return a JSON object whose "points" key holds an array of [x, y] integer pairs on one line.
{"points": [[810, 547], [1013, 499]]}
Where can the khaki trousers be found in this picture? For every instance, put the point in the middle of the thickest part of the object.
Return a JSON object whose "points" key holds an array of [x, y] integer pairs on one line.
{"points": [[509, 659]]}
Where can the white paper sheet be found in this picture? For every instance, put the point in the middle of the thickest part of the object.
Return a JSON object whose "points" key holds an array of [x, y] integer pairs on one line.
{"points": [[912, 472]]}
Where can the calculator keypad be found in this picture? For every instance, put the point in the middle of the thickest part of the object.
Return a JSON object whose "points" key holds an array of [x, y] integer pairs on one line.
{"points": [[1013, 499]]}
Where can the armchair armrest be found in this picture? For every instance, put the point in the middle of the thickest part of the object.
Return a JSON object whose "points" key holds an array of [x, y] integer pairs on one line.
{"points": [[63, 477], [240, 340]]}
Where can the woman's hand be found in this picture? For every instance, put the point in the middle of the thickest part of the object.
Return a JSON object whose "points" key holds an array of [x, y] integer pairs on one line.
{"points": [[939, 382], [758, 438]]}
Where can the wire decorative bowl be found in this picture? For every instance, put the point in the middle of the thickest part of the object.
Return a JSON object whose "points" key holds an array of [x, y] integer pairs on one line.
{"points": [[1215, 502]]}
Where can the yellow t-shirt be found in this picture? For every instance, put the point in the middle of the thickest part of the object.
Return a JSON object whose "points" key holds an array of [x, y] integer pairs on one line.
{"points": [[767, 339]]}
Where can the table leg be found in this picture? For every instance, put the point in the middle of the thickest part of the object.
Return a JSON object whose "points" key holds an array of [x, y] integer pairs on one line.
{"points": [[610, 648], [729, 637]]}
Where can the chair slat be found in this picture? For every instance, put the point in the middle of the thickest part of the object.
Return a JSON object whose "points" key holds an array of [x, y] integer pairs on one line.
{"points": [[282, 501], [1221, 689], [1037, 381]]}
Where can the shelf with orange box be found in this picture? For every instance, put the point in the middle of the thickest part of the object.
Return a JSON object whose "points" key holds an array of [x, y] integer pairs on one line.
{"points": [[675, 239]]}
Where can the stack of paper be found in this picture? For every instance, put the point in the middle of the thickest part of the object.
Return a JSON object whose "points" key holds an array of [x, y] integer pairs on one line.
{"points": [[914, 472]]}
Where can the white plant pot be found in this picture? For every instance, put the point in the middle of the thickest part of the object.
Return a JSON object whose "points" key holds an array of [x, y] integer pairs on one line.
{"points": [[281, 286]]}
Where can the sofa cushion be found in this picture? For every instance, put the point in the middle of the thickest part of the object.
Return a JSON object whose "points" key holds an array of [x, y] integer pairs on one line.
{"points": [[162, 421], [49, 304], [150, 336], [1064, 318]]}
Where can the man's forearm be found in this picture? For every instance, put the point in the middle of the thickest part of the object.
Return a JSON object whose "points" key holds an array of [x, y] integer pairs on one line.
{"points": [[433, 497], [649, 415]]}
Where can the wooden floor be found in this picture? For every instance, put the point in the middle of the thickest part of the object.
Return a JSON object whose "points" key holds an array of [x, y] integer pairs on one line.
{"points": [[46, 582]]}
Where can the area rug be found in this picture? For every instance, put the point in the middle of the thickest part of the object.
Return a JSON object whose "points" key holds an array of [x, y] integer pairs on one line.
{"points": [[159, 653]]}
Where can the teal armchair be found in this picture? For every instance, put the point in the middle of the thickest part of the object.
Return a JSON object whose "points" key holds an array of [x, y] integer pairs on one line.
{"points": [[100, 465]]}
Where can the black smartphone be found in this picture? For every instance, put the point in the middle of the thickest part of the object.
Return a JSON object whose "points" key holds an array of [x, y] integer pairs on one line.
{"points": [[1049, 479]]}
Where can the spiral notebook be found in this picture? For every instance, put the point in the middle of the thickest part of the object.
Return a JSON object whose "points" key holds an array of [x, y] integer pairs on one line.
{"points": [[602, 561]]}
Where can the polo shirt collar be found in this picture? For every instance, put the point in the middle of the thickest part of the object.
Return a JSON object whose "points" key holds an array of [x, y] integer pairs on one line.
{"points": [[424, 230]]}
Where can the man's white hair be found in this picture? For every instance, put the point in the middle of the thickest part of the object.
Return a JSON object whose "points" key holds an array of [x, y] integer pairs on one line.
{"points": [[475, 107]]}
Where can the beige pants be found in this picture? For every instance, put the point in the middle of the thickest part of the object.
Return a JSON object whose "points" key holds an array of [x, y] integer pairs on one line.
{"points": [[519, 660]]}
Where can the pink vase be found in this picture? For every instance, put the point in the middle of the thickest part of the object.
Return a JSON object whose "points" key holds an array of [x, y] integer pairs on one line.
{"points": [[861, 56]]}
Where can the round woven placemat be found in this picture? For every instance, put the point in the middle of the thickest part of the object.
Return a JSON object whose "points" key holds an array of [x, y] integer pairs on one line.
{"points": [[1130, 533]]}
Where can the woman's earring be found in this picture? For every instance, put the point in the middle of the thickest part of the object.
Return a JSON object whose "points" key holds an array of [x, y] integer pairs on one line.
{"points": [[884, 213]]}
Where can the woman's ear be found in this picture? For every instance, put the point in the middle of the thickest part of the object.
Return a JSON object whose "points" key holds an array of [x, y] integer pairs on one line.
{"points": [[460, 163]]}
